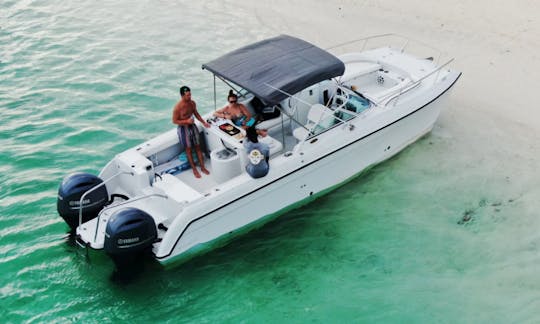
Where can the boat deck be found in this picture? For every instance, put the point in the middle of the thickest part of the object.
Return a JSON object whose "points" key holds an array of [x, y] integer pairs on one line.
{"points": [[207, 182]]}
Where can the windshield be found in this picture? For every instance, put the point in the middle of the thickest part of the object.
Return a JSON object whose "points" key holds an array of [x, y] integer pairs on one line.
{"points": [[357, 104]]}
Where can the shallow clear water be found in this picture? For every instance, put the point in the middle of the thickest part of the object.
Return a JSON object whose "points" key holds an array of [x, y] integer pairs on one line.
{"points": [[80, 83]]}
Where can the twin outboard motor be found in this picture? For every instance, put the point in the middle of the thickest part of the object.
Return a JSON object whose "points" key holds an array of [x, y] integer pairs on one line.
{"points": [[129, 233], [69, 195]]}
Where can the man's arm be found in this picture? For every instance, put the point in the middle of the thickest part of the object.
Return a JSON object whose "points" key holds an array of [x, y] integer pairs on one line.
{"points": [[198, 116]]}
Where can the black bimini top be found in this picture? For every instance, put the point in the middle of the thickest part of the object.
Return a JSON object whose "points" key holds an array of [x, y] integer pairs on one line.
{"points": [[283, 62]]}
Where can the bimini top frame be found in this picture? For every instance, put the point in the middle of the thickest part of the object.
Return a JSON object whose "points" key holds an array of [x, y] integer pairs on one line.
{"points": [[283, 62]]}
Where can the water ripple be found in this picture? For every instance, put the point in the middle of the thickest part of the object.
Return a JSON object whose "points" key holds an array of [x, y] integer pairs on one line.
{"points": [[83, 81]]}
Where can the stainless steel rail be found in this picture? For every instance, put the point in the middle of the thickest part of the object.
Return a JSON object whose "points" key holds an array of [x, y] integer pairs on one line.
{"points": [[125, 202], [411, 86], [96, 187], [407, 41]]}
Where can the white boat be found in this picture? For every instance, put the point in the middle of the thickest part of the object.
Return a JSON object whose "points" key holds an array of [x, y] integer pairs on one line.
{"points": [[338, 116]]}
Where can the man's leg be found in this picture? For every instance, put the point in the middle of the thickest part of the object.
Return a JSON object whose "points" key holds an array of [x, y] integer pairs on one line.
{"points": [[201, 159], [190, 159]]}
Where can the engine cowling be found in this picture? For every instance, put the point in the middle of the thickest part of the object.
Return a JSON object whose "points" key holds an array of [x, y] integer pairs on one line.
{"points": [[129, 232], [70, 192]]}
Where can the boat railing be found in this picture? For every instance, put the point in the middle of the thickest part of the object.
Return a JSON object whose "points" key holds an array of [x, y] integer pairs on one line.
{"points": [[407, 87], [341, 93], [95, 188], [344, 97], [403, 45], [291, 117], [126, 202]]}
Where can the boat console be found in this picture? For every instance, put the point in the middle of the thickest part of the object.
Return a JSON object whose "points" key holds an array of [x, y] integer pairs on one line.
{"points": [[226, 144]]}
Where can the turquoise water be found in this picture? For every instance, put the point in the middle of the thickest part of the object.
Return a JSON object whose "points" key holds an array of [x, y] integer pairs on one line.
{"points": [[447, 231]]}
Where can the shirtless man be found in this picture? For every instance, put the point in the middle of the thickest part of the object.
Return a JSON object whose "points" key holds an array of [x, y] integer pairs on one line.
{"points": [[183, 113]]}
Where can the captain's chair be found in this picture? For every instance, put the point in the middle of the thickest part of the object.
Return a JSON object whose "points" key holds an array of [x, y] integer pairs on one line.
{"points": [[318, 116]]}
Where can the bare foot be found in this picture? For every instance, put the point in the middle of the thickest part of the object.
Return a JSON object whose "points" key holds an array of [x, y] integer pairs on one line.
{"points": [[262, 132], [205, 171], [196, 173]]}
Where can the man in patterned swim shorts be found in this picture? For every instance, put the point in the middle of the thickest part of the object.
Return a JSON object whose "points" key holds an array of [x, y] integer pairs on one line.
{"points": [[183, 113]]}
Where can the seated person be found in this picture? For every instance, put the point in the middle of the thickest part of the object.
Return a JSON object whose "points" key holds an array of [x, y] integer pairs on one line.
{"points": [[258, 155], [236, 112]]}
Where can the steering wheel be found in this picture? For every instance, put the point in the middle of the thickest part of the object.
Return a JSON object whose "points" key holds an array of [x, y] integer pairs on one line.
{"points": [[342, 98]]}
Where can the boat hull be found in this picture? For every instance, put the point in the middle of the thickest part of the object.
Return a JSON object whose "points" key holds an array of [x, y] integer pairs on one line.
{"points": [[315, 177]]}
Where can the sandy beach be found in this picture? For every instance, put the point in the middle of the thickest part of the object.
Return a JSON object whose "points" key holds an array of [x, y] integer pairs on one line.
{"points": [[494, 43]]}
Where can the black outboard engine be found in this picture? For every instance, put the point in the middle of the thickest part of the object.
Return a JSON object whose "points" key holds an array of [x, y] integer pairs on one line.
{"points": [[69, 195], [129, 233]]}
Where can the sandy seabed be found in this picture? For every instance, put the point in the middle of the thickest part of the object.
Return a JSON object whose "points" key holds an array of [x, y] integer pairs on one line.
{"points": [[491, 126]]}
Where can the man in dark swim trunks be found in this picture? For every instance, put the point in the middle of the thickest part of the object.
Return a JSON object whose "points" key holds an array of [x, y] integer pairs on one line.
{"points": [[183, 113]]}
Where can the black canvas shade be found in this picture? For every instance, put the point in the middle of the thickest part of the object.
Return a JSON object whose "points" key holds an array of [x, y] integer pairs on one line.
{"points": [[281, 63]]}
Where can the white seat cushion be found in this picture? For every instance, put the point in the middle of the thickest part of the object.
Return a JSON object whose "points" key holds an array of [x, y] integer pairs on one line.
{"points": [[176, 189], [300, 133], [318, 115]]}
